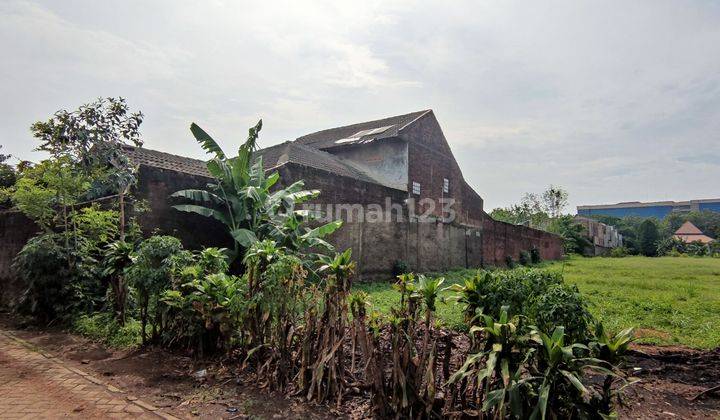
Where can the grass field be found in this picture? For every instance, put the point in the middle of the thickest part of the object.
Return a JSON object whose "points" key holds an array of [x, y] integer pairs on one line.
{"points": [[669, 300]]}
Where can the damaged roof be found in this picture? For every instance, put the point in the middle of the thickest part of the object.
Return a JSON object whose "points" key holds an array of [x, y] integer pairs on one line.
{"points": [[280, 154], [307, 150], [360, 133]]}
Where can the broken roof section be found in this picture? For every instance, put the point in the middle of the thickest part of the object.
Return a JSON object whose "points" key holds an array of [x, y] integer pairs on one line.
{"points": [[307, 150], [360, 133], [278, 155]]}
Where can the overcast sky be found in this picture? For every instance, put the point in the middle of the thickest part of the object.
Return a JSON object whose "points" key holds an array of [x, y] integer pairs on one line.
{"points": [[614, 101]]}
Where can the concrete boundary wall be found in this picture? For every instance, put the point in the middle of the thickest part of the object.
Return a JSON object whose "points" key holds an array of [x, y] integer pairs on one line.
{"points": [[435, 246]]}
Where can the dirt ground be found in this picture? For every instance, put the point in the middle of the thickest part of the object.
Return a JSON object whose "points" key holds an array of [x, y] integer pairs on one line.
{"points": [[671, 378]]}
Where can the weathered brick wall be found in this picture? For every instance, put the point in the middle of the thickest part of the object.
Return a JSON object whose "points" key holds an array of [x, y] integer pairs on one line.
{"points": [[195, 231], [501, 239], [430, 160], [424, 246]]}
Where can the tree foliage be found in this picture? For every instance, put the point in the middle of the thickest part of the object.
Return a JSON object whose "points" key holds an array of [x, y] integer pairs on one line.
{"points": [[648, 236], [544, 211], [575, 237], [8, 174], [245, 200], [93, 136]]}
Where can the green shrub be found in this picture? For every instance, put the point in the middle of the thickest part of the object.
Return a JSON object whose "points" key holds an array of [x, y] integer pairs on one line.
{"points": [[618, 252], [205, 313], [505, 288], [697, 249], [203, 308], [538, 281], [510, 262], [535, 257], [562, 306], [669, 245], [714, 248], [515, 289], [150, 275], [400, 267], [58, 283], [524, 258], [103, 327]]}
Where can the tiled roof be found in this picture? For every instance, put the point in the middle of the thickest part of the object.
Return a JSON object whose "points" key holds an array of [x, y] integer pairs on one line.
{"points": [[688, 233], [694, 238], [359, 133], [297, 153], [162, 160], [688, 229], [306, 150], [273, 156]]}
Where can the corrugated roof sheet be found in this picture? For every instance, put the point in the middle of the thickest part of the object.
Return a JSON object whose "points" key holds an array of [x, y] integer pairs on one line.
{"points": [[349, 134]]}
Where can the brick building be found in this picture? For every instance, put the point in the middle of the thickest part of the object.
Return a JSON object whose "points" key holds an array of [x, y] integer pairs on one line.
{"points": [[398, 166]]}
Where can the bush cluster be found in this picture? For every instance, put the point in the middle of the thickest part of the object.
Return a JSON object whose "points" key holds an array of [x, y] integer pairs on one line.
{"points": [[676, 247], [540, 296]]}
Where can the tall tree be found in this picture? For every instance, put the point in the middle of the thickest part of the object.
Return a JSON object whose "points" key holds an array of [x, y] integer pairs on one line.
{"points": [[8, 176], [554, 200], [648, 235], [94, 136], [7, 172]]}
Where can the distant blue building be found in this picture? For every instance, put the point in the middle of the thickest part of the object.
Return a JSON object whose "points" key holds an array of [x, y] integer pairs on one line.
{"points": [[658, 209]]}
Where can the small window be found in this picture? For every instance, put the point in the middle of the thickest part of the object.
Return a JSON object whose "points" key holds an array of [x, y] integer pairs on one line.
{"points": [[446, 185], [416, 188]]}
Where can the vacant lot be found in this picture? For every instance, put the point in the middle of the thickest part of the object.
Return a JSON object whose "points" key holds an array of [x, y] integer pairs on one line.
{"points": [[669, 300]]}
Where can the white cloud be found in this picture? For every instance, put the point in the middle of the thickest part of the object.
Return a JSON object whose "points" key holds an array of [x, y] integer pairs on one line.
{"points": [[604, 98]]}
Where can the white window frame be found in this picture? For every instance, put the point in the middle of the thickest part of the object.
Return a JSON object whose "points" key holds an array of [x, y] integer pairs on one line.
{"points": [[416, 188]]}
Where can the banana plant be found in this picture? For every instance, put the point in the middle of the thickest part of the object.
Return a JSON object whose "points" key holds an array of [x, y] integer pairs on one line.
{"points": [[243, 199]]}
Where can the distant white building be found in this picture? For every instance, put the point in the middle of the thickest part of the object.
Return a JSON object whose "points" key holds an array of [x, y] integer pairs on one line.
{"points": [[603, 237]]}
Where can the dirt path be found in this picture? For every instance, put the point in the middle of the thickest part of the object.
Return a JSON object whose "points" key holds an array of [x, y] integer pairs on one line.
{"points": [[670, 381], [34, 385], [162, 379]]}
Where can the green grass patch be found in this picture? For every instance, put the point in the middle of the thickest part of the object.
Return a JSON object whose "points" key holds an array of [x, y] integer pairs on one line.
{"points": [[669, 300], [104, 328]]}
